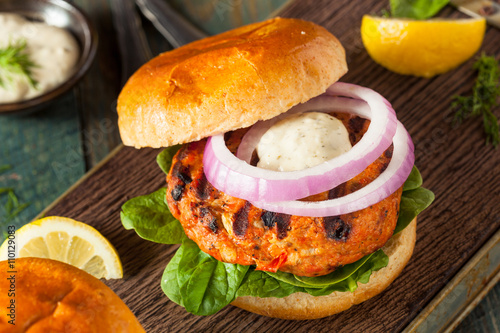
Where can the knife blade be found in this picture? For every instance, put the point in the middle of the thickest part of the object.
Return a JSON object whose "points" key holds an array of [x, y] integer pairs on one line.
{"points": [[490, 10]]}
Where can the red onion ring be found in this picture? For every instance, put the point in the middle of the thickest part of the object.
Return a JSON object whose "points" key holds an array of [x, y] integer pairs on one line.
{"points": [[383, 186], [237, 178]]}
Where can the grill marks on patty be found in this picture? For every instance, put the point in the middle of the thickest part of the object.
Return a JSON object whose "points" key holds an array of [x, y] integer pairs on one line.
{"points": [[209, 219], [356, 127], [240, 223], [282, 222], [181, 172], [233, 230], [336, 228], [203, 188]]}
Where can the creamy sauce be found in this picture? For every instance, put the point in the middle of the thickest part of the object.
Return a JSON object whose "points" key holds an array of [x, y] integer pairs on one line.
{"points": [[52, 49], [302, 141]]}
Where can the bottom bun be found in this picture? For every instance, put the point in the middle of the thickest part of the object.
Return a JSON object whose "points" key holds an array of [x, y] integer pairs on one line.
{"points": [[301, 306], [43, 295]]}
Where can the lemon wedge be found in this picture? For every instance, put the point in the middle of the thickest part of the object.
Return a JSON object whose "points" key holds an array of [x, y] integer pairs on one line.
{"points": [[66, 240], [421, 48]]}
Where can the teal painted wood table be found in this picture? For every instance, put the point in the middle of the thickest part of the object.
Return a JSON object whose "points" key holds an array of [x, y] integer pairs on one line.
{"points": [[51, 150]]}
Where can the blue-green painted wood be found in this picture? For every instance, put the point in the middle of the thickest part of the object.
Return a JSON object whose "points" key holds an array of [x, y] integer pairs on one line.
{"points": [[45, 152], [485, 318]]}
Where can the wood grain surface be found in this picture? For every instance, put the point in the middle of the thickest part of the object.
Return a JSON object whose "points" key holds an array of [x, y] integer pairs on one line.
{"points": [[455, 163]]}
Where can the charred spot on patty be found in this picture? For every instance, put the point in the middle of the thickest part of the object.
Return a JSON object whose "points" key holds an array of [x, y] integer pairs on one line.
{"points": [[213, 225], [203, 188], [388, 155], [355, 186], [283, 226], [268, 218], [356, 126], [185, 178], [206, 217], [281, 220], [336, 228], [204, 212], [182, 172], [240, 223], [177, 192], [183, 153], [255, 158], [337, 192]]}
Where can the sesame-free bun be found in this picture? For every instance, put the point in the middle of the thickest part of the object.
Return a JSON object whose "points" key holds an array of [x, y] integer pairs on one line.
{"points": [[301, 306], [228, 81], [51, 296]]}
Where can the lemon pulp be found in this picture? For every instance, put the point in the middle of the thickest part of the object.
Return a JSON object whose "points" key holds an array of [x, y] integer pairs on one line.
{"points": [[69, 241]]}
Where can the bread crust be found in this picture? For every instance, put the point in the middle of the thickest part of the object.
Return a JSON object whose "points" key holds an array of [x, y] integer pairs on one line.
{"points": [[228, 81], [51, 296], [300, 306]]}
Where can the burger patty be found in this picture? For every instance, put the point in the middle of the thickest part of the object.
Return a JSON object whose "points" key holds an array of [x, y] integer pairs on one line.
{"points": [[233, 230]]}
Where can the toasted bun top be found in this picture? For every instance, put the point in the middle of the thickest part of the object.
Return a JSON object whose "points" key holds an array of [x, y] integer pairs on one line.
{"points": [[51, 296], [228, 81]]}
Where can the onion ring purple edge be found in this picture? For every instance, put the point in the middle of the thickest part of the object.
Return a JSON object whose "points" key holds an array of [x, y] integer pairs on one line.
{"points": [[266, 185]]}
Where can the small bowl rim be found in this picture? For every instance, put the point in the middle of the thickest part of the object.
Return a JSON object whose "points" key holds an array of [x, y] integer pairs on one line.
{"points": [[87, 55]]}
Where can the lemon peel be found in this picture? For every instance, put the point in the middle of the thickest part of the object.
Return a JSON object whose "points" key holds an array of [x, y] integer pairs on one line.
{"points": [[421, 48]]}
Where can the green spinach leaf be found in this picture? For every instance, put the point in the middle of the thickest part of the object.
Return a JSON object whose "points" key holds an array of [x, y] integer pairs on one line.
{"points": [[288, 278], [413, 202], [413, 181], [377, 261], [164, 159], [416, 9], [169, 283], [336, 276], [204, 284], [150, 217], [263, 284]]}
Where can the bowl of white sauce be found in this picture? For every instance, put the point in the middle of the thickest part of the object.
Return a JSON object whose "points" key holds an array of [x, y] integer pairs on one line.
{"points": [[46, 46]]}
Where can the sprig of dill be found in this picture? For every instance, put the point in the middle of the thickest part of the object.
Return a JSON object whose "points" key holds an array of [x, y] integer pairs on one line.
{"points": [[12, 207], [15, 61], [483, 98]]}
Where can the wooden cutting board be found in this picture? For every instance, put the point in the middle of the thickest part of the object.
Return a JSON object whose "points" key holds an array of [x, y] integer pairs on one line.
{"points": [[454, 161]]}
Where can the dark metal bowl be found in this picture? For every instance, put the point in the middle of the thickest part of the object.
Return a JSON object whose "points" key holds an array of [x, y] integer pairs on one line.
{"points": [[60, 14]]}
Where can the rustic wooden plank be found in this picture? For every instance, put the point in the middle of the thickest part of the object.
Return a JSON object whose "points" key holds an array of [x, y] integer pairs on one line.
{"points": [[455, 163]]}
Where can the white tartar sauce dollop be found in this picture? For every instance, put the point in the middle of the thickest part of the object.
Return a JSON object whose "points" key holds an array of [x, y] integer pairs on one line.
{"points": [[54, 51], [302, 141]]}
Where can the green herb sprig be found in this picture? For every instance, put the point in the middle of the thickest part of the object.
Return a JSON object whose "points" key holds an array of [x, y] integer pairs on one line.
{"points": [[12, 207], [15, 61], [483, 98]]}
